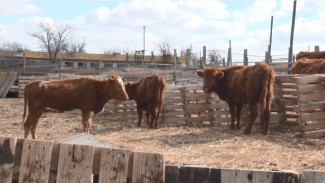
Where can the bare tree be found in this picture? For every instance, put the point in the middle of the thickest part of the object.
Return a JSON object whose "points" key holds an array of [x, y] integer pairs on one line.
{"points": [[165, 51], [214, 57], [52, 38], [10, 51], [74, 47]]}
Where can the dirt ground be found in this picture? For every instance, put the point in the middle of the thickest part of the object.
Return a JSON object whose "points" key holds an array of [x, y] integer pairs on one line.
{"points": [[218, 147]]}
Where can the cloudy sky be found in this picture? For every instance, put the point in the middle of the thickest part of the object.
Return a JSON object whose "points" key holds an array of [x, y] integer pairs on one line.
{"points": [[118, 25]]}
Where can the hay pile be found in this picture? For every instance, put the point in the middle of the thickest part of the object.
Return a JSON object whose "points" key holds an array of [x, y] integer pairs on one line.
{"points": [[216, 146]]}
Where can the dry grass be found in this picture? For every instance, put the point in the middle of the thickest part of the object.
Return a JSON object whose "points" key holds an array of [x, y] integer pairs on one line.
{"points": [[217, 146]]}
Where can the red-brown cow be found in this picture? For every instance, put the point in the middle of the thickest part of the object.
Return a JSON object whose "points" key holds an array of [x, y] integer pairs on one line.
{"points": [[149, 95], [239, 85], [310, 55], [87, 94], [309, 66]]}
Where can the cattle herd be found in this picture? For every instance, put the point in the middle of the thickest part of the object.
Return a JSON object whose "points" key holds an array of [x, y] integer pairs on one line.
{"points": [[236, 85]]}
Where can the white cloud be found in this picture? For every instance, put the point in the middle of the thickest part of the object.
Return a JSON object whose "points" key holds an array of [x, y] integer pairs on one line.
{"points": [[185, 23], [9, 7]]}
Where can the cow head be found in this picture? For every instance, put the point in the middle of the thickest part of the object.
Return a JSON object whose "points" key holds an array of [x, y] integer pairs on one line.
{"points": [[117, 88], [130, 90], [210, 77]]}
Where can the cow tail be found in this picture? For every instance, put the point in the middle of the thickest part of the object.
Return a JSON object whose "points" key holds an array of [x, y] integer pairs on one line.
{"points": [[269, 94], [162, 89], [25, 103]]}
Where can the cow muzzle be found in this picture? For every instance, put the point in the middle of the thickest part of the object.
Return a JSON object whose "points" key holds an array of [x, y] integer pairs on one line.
{"points": [[207, 90]]}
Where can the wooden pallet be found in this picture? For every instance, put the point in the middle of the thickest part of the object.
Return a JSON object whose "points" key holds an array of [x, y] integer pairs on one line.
{"points": [[47, 161]]}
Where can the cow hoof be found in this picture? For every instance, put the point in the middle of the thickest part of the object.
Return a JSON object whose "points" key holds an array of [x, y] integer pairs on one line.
{"points": [[232, 127], [266, 132], [238, 127], [246, 132]]}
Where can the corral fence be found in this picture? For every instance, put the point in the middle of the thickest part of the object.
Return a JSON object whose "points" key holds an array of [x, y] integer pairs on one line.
{"points": [[34, 161], [299, 101]]}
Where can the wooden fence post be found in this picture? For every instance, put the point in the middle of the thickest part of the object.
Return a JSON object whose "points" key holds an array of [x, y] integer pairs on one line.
{"points": [[245, 57], [126, 59], [229, 58], [24, 63], [175, 57], [211, 99], [152, 57], [184, 90]]}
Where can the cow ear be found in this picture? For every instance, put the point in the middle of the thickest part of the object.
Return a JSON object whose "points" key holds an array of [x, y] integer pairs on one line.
{"points": [[200, 73], [219, 75]]}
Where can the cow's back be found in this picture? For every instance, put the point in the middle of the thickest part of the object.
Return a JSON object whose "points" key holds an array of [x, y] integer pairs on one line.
{"points": [[310, 55], [309, 66], [65, 95], [244, 85]]}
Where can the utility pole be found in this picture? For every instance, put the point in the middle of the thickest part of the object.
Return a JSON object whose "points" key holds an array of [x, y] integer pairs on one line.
{"points": [[269, 49], [144, 44], [292, 33]]}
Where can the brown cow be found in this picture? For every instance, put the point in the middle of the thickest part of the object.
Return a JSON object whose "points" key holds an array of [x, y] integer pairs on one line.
{"points": [[309, 66], [239, 85], [149, 95], [310, 55], [87, 94]]}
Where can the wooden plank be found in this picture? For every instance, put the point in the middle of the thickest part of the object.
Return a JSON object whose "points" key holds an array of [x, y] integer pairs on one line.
{"points": [[7, 158], [310, 88], [313, 177], [230, 175], [312, 116], [311, 106], [173, 113], [172, 173], [307, 79], [195, 108], [262, 177], [194, 175], [315, 134], [246, 176], [7, 83], [175, 119], [35, 161], [148, 167], [173, 101], [313, 96], [196, 96], [172, 95], [315, 125], [173, 107], [284, 177], [75, 163], [113, 165]]}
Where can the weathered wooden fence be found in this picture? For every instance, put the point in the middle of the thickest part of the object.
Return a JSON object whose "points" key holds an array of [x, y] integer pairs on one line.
{"points": [[45, 161], [311, 105], [37, 161], [190, 174]]}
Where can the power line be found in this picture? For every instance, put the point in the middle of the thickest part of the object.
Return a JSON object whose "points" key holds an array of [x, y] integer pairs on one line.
{"points": [[316, 6]]}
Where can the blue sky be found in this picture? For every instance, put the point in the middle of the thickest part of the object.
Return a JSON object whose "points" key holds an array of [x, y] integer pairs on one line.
{"points": [[118, 25]]}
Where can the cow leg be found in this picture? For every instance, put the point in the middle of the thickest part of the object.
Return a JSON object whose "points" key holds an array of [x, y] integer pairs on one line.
{"points": [[147, 115], [86, 121], [139, 115], [265, 114], [157, 117], [31, 123], [232, 115], [252, 117], [238, 112], [152, 116]]}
